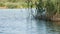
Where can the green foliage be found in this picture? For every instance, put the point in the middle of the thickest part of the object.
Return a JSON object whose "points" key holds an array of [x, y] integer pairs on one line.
{"points": [[2, 4], [50, 7], [39, 6], [58, 6], [11, 6], [29, 3]]}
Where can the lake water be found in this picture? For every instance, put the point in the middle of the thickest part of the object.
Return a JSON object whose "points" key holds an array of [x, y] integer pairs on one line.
{"points": [[20, 21]]}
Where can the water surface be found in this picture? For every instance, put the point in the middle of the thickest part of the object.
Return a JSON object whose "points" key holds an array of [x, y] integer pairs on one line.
{"points": [[20, 21]]}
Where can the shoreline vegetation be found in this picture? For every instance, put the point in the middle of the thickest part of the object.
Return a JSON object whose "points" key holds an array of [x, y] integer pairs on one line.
{"points": [[52, 10], [14, 4], [52, 7]]}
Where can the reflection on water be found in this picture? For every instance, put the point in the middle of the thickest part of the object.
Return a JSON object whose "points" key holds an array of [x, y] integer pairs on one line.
{"points": [[18, 21], [53, 27]]}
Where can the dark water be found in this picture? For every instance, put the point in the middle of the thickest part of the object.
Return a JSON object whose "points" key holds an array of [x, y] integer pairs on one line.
{"points": [[19, 21]]}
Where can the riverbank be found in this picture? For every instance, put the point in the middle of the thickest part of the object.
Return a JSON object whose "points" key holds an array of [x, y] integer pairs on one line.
{"points": [[56, 18]]}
